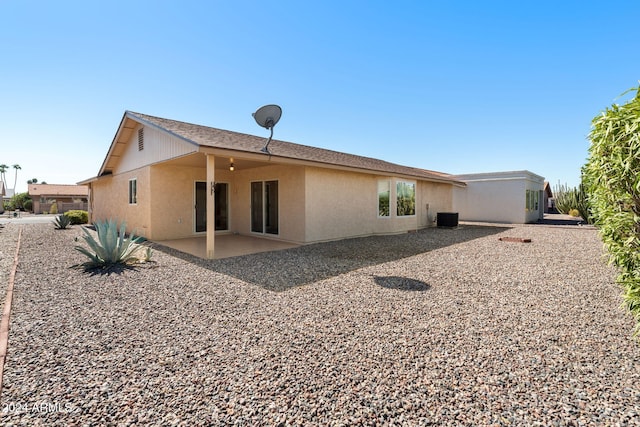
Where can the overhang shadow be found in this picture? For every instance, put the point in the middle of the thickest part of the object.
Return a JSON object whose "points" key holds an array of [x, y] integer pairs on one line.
{"points": [[288, 268]]}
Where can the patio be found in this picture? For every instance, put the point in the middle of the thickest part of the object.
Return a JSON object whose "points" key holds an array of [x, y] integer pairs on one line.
{"points": [[227, 245]]}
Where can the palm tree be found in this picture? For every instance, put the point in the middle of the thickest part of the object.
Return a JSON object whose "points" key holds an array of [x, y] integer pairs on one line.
{"points": [[33, 181], [3, 169], [15, 181]]}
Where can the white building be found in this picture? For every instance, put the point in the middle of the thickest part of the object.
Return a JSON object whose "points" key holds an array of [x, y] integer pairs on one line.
{"points": [[514, 197]]}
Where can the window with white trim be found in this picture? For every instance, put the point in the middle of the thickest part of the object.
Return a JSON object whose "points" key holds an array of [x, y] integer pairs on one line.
{"points": [[133, 191], [384, 195], [405, 198]]}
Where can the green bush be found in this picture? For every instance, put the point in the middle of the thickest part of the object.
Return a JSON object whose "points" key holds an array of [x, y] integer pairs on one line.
{"points": [[77, 216], [612, 174], [28, 205], [18, 201], [111, 248]]}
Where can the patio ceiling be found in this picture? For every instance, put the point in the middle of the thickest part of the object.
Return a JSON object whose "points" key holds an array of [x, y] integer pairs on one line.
{"points": [[198, 160]]}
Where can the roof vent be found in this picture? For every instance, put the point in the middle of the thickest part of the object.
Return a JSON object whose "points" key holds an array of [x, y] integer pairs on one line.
{"points": [[140, 139]]}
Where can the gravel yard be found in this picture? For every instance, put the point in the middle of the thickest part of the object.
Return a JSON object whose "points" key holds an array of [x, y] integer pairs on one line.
{"points": [[439, 327]]}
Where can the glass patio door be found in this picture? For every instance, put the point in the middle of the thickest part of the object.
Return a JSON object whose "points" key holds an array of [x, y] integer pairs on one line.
{"points": [[264, 207], [221, 210]]}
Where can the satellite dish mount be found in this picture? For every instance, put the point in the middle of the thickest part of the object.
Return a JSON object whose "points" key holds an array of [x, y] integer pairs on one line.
{"points": [[267, 117]]}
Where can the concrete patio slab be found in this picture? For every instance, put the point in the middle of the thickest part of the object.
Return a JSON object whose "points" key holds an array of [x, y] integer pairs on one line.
{"points": [[227, 245]]}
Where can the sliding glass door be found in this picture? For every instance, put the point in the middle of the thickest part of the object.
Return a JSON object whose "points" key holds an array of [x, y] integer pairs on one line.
{"points": [[264, 207]]}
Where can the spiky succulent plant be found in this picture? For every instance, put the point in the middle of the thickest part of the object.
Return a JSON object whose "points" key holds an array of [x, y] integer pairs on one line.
{"points": [[62, 222], [112, 246]]}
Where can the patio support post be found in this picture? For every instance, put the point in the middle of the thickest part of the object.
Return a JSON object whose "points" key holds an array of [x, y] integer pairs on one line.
{"points": [[211, 208]]}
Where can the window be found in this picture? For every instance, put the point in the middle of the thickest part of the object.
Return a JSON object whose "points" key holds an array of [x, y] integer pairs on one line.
{"points": [[533, 198], [140, 139], [133, 191], [406, 198], [384, 194]]}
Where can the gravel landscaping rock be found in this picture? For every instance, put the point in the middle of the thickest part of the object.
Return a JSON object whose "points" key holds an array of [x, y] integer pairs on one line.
{"points": [[438, 327]]}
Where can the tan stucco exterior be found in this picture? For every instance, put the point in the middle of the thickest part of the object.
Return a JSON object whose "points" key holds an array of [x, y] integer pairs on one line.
{"points": [[315, 202], [110, 200]]}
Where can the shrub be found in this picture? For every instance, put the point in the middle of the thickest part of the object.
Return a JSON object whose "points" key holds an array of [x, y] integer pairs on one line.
{"points": [[111, 248], [28, 205], [574, 212], [612, 174], [568, 199], [54, 208], [62, 222], [78, 216], [17, 201]]}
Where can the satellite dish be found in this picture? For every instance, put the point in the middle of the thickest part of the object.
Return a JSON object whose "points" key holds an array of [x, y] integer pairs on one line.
{"points": [[267, 117]]}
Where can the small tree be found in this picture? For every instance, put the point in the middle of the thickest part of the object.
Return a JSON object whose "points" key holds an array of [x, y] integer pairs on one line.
{"points": [[612, 176], [18, 201]]}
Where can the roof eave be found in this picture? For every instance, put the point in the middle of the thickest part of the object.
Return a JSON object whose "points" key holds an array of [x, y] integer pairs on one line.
{"points": [[249, 155]]}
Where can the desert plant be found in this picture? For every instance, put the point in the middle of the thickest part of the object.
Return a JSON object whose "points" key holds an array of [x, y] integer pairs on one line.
{"points": [[612, 174], [28, 205], [148, 253], [568, 199], [77, 216], [62, 222], [54, 208], [111, 248], [574, 212]]}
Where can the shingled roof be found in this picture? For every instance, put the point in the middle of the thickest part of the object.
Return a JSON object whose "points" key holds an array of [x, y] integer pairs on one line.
{"points": [[59, 190], [223, 139]]}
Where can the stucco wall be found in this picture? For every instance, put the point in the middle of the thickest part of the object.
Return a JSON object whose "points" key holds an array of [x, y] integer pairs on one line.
{"points": [[492, 201], [291, 198], [345, 204], [110, 199], [438, 197], [498, 197], [173, 200]]}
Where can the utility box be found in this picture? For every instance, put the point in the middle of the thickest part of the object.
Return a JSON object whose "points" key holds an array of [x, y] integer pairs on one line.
{"points": [[447, 219]]}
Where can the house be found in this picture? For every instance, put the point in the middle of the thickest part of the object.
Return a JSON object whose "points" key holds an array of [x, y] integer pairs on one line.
{"points": [[514, 197], [8, 195], [66, 197], [169, 179], [549, 201]]}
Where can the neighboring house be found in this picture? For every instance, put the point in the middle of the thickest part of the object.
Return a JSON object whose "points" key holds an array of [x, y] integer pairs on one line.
{"points": [[66, 197], [549, 201], [515, 197], [8, 194], [169, 179]]}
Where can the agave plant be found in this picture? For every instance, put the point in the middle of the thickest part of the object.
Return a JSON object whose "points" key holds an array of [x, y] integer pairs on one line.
{"points": [[112, 247], [62, 222]]}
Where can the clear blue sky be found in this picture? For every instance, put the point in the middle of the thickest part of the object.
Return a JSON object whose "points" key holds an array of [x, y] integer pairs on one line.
{"points": [[453, 86]]}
